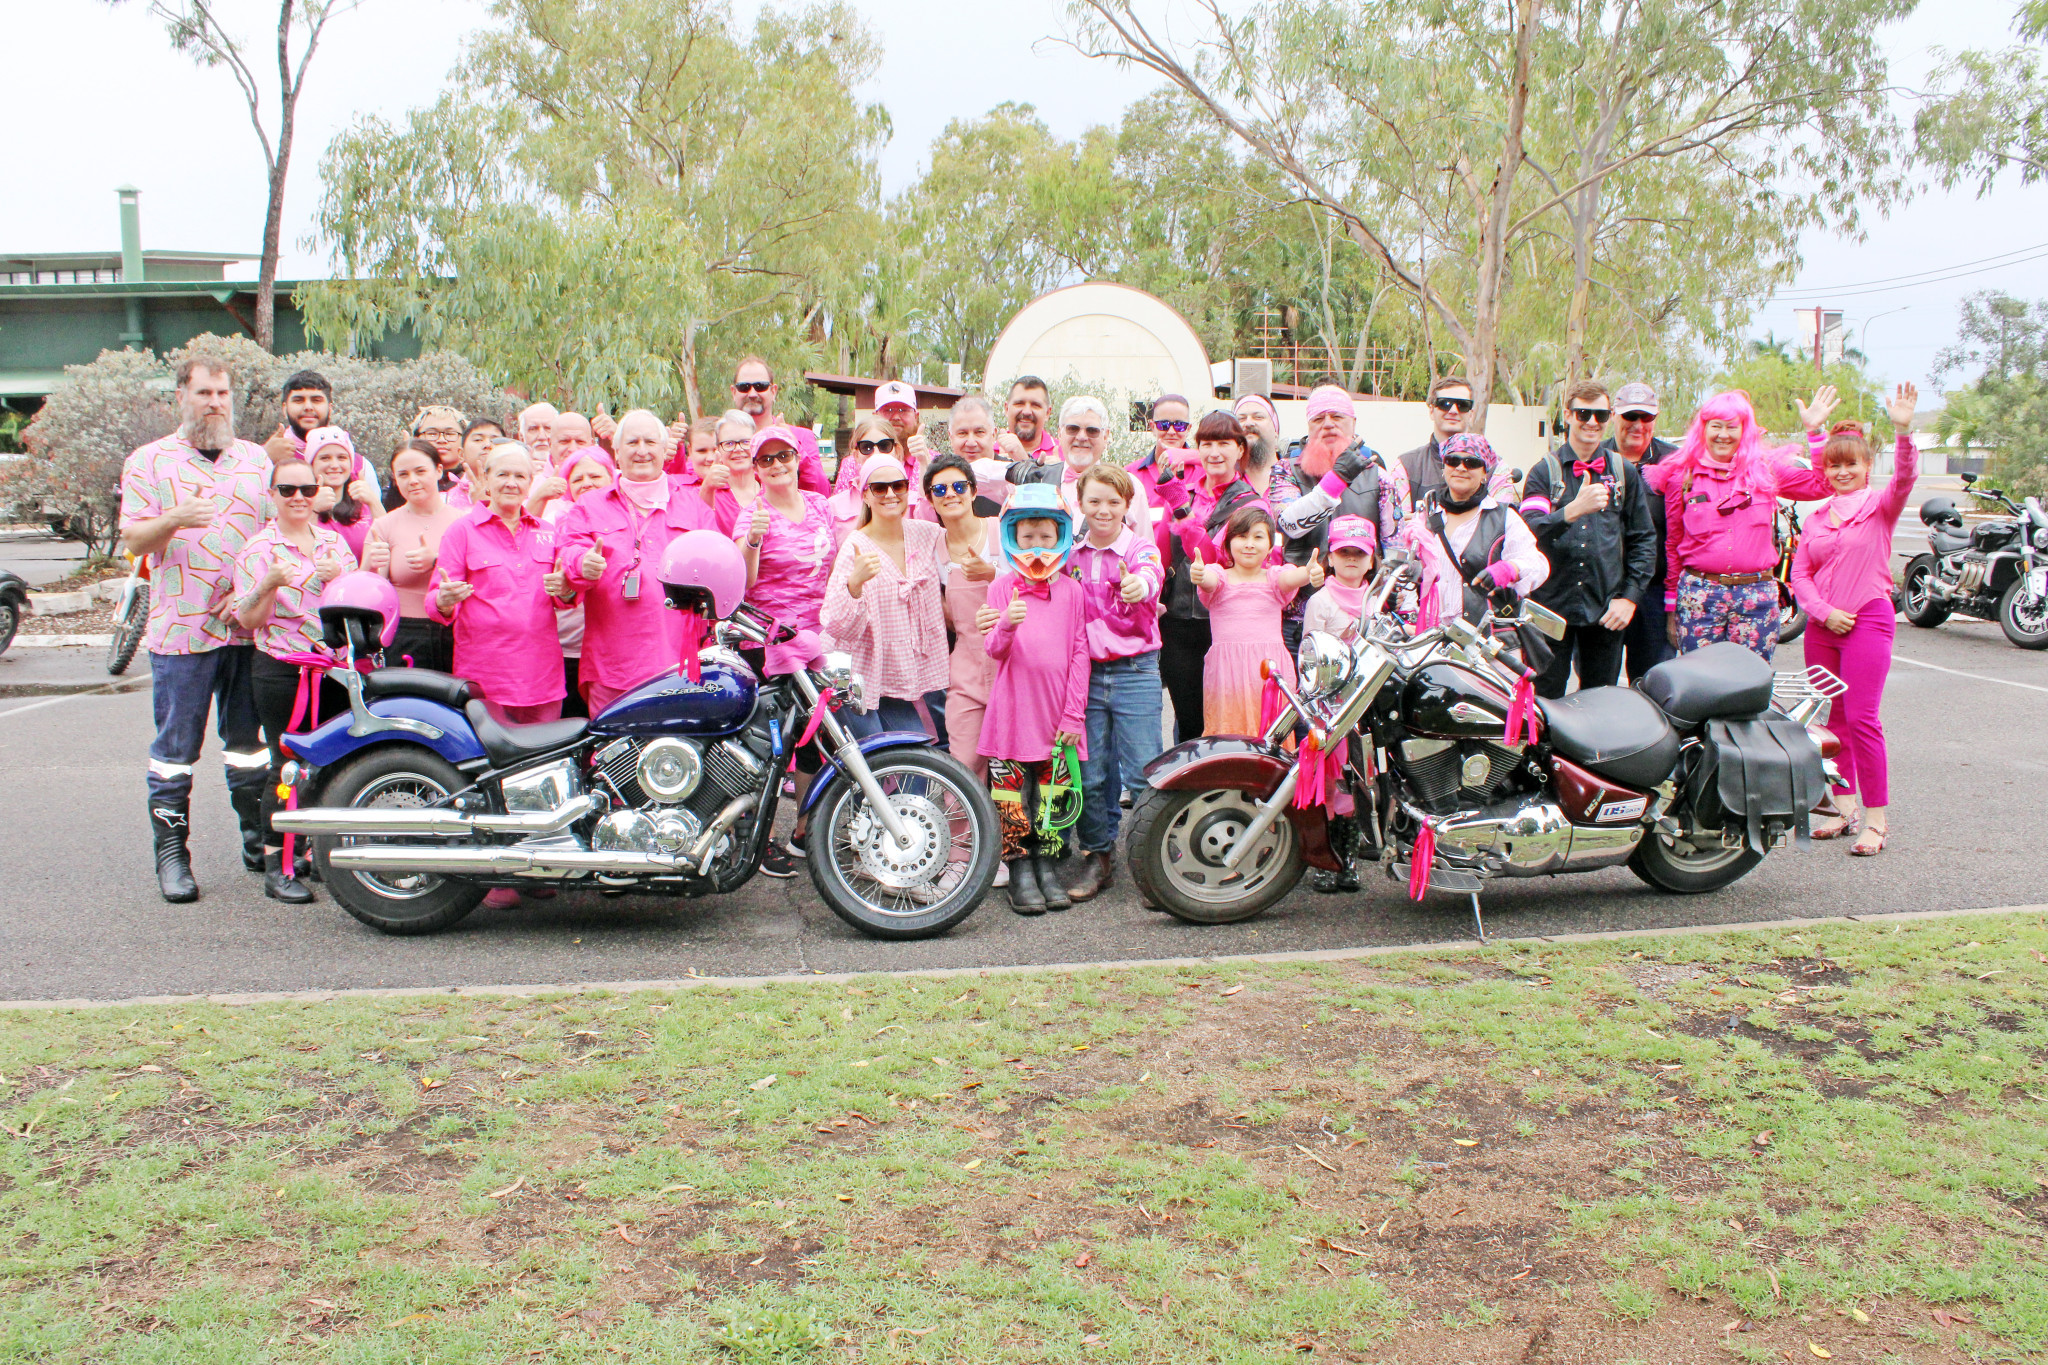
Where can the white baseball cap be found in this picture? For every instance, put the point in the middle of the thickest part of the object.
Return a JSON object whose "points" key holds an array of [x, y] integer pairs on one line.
{"points": [[895, 392]]}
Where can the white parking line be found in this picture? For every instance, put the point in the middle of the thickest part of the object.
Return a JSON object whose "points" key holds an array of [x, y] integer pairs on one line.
{"points": [[2003, 682]]}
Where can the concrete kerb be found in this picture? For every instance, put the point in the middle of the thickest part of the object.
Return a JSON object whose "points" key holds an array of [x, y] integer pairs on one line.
{"points": [[1019, 969]]}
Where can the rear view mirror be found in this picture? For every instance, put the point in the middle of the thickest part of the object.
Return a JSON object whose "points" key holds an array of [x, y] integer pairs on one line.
{"points": [[1967, 477], [1546, 621]]}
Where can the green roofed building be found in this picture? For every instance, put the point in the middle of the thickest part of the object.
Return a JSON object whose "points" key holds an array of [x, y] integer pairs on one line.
{"points": [[64, 307]]}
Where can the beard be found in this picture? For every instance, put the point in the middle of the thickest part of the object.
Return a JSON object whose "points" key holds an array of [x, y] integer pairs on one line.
{"points": [[209, 432], [1259, 452], [1317, 459]]}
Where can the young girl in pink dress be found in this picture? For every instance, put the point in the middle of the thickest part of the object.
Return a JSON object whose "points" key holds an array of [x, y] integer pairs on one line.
{"points": [[1245, 596]]}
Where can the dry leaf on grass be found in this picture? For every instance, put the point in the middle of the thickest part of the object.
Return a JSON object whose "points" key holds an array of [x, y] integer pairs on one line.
{"points": [[762, 1084], [1083, 1259], [1823, 1352], [500, 1194], [1233, 990]]}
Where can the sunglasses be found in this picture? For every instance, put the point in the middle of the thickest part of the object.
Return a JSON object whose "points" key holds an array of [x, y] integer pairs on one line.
{"points": [[1452, 404], [951, 490], [1166, 425], [1093, 432], [753, 386], [895, 488], [1639, 417], [887, 446], [1597, 416], [1463, 462], [295, 490], [771, 458]]}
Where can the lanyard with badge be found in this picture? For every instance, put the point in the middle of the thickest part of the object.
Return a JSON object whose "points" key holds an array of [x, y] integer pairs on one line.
{"points": [[629, 586]]}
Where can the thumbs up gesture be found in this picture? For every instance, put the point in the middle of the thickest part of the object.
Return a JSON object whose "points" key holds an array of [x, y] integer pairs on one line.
{"points": [[1016, 611], [759, 526], [557, 581], [866, 564], [602, 425], [1130, 587], [977, 569], [377, 556], [591, 566], [419, 558], [1315, 568], [984, 619]]}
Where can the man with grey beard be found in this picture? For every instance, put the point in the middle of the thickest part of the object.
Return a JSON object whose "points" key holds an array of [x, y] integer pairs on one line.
{"points": [[189, 502]]}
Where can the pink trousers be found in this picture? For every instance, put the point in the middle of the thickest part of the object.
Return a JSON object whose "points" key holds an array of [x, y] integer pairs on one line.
{"points": [[1862, 659], [524, 715]]}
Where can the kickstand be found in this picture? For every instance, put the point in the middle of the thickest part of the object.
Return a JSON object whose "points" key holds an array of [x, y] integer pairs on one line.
{"points": [[1477, 922]]}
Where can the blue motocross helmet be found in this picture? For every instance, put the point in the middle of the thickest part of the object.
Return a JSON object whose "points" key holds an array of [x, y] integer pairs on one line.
{"points": [[1032, 502]]}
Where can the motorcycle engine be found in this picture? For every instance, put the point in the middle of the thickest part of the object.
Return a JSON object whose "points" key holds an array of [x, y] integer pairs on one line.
{"points": [[1973, 569], [1453, 774], [672, 787]]}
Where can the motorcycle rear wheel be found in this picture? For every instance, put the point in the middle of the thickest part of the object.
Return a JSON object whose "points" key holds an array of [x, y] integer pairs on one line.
{"points": [[10, 621], [1178, 839], [1667, 866], [1916, 595], [397, 775], [2023, 617], [885, 891], [128, 631]]}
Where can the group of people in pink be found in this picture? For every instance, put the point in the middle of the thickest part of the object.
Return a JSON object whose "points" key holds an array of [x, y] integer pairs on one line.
{"points": [[1010, 591]]}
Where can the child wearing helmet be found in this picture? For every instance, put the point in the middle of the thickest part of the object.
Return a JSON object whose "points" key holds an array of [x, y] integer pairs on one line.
{"points": [[1035, 629]]}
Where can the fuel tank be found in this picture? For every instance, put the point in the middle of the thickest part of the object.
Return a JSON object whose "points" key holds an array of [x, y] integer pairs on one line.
{"points": [[1449, 702], [718, 704]]}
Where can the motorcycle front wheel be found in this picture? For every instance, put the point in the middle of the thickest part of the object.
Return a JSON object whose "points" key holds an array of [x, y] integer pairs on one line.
{"points": [[1178, 843], [398, 776], [889, 890], [128, 631], [2023, 616], [1671, 865]]}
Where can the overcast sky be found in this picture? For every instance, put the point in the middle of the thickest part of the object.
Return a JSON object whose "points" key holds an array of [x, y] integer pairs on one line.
{"points": [[121, 104]]}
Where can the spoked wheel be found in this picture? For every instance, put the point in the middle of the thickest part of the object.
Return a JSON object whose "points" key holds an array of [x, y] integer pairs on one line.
{"points": [[914, 890], [1791, 616], [1675, 864], [2023, 616], [404, 778], [1179, 840], [128, 628], [1916, 595], [10, 621]]}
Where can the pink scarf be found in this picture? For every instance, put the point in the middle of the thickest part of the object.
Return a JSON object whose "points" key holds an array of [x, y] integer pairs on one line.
{"points": [[645, 494]]}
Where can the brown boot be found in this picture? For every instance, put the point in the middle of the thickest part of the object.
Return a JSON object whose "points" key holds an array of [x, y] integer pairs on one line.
{"points": [[1097, 871]]}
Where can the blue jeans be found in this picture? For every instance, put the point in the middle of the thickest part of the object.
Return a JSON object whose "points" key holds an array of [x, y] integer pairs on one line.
{"points": [[1123, 736], [183, 689], [894, 713]]}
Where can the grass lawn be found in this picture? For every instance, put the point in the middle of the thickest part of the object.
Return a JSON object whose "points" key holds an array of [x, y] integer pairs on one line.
{"points": [[1830, 1144]]}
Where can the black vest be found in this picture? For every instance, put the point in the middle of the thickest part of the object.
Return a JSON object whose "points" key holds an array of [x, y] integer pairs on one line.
{"points": [[1480, 551]]}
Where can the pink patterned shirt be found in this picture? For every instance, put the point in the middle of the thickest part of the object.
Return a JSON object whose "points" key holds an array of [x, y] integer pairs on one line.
{"points": [[896, 629], [192, 577], [294, 625]]}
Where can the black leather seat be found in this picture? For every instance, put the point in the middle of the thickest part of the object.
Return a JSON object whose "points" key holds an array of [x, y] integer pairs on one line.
{"points": [[1715, 682], [445, 688], [1943, 541], [1615, 732], [508, 744]]}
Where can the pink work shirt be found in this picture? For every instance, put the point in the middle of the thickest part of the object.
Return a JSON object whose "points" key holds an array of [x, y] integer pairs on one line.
{"points": [[1118, 629], [407, 532], [294, 624], [1041, 684], [626, 641], [1699, 537], [504, 630], [896, 629], [1845, 548], [794, 565], [192, 577]]}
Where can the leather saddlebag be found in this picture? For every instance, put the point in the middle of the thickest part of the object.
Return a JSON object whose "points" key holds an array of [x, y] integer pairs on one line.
{"points": [[1761, 776]]}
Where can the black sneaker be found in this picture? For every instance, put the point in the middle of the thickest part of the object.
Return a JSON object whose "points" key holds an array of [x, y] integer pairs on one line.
{"points": [[776, 863], [795, 846]]}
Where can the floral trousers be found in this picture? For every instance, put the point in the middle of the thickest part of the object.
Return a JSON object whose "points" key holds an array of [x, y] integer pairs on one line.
{"points": [[1746, 614], [1015, 787]]}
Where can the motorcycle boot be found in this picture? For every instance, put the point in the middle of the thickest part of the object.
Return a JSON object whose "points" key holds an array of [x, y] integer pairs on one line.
{"points": [[168, 823], [1343, 836], [1048, 871], [247, 799], [279, 885], [1098, 870], [1025, 897]]}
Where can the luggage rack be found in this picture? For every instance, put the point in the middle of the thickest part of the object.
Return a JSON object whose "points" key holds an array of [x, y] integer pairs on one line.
{"points": [[1800, 696]]}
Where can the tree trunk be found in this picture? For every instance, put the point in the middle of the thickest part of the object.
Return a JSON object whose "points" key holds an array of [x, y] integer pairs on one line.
{"points": [[273, 218], [1486, 298], [687, 368]]}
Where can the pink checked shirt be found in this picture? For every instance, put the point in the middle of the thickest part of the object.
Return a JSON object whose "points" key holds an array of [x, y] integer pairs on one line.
{"points": [[294, 625], [192, 577], [1118, 629], [505, 630], [896, 629]]}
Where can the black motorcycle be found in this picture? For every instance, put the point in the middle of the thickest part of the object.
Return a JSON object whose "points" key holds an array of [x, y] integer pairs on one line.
{"points": [[13, 606], [1996, 570]]}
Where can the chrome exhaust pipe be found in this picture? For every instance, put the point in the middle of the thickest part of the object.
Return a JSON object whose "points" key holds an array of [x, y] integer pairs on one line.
{"points": [[449, 824], [510, 861]]}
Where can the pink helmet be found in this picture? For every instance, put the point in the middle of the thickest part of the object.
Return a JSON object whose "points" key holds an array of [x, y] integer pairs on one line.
{"points": [[362, 597], [703, 572]]}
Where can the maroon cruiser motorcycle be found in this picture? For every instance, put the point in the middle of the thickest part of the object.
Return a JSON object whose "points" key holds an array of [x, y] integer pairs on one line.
{"points": [[1427, 753]]}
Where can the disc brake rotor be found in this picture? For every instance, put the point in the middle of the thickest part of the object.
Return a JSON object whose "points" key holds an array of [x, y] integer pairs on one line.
{"points": [[894, 865]]}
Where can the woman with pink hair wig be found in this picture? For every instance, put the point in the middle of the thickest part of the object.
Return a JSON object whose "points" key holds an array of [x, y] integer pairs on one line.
{"points": [[1721, 491]]}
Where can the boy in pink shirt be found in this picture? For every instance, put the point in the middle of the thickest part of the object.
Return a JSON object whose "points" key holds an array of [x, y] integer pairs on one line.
{"points": [[1035, 628]]}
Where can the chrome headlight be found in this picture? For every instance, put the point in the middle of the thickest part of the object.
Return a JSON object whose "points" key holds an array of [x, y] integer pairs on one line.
{"points": [[1325, 663], [2041, 537], [836, 669]]}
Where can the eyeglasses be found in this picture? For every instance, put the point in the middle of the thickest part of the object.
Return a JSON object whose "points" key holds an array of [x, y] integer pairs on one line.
{"points": [[1092, 432], [1639, 417], [1165, 425], [1463, 462], [753, 386], [1597, 416], [895, 488], [887, 446], [733, 447], [438, 433], [772, 458], [295, 490], [952, 490], [1452, 404]]}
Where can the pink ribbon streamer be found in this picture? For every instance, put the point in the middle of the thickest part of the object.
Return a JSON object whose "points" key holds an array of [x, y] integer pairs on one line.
{"points": [[817, 715], [305, 706], [1321, 770], [1422, 858], [1522, 716], [1269, 703], [693, 642]]}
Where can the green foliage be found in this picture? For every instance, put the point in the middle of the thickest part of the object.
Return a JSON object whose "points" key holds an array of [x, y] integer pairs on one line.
{"points": [[2005, 409], [1988, 111], [1775, 381]]}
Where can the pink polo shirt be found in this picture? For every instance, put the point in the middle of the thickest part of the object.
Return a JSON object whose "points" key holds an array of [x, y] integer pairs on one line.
{"points": [[505, 630], [1845, 549], [1041, 683], [627, 641], [192, 576], [1118, 629]]}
